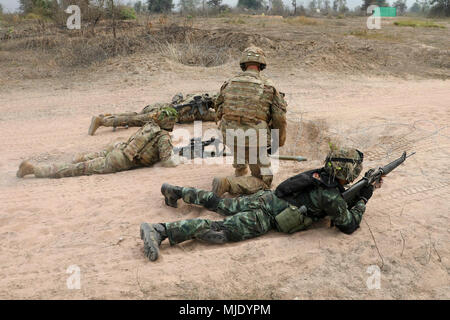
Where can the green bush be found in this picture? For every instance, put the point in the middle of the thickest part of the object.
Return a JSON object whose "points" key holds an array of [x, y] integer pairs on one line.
{"points": [[127, 13]]}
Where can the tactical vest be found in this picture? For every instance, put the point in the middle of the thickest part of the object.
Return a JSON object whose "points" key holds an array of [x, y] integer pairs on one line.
{"points": [[142, 146], [245, 99], [295, 189]]}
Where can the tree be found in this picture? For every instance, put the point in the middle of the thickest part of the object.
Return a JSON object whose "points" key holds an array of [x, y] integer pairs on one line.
{"points": [[440, 8], [138, 7], [294, 5], [250, 4], [415, 8], [312, 6], [215, 4], [1, 9], [159, 6], [401, 6], [277, 7]]}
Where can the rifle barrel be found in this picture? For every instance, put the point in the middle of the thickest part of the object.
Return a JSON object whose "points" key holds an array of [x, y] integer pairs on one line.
{"points": [[291, 158]]}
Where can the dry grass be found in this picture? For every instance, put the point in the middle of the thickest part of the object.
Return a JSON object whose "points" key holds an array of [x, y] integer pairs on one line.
{"points": [[195, 53], [375, 35], [302, 20], [418, 23]]}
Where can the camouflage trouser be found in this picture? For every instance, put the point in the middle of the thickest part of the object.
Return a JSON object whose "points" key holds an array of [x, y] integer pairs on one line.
{"points": [[134, 119], [131, 119], [257, 181], [110, 160], [248, 217]]}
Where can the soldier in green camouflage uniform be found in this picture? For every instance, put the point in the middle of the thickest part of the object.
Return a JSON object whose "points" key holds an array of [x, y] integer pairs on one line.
{"points": [[294, 206], [147, 146], [249, 102], [134, 119]]}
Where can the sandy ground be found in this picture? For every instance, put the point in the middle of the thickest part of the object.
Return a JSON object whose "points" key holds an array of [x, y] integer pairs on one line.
{"points": [[93, 222]]}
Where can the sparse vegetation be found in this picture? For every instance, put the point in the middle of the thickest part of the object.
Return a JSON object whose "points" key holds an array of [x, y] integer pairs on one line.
{"points": [[302, 20], [418, 23]]}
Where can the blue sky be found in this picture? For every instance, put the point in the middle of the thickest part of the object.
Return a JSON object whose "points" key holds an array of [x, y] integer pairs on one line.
{"points": [[12, 5]]}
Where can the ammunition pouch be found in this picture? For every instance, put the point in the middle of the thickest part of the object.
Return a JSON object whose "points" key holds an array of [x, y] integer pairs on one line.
{"points": [[140, 139], [292, 219]]}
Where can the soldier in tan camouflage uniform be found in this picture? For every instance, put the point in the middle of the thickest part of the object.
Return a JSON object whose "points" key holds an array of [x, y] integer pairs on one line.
{"points": [[134, 119], [249, 101], [147, 146]]}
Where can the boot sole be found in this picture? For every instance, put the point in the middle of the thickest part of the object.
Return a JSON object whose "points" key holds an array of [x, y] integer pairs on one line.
{"points": [[171, 202], [92, 128], [151, 247]]}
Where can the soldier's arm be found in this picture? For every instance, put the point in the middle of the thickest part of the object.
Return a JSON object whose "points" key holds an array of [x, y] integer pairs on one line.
{"points": [[345, 219], [165, 149], [219, 102], [278, 115]]}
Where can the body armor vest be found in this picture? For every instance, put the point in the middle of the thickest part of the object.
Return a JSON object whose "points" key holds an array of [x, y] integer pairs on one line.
{"points": [[245, 97], [137, 144]]}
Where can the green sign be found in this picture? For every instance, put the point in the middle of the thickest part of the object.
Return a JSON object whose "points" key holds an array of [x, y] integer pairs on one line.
{"points": [[385, 12]]}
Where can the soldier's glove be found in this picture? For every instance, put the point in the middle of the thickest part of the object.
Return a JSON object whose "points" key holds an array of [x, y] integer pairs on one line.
{"points": [[366, 193]]}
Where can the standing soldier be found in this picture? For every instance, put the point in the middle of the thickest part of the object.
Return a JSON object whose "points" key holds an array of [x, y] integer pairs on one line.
{"points": [[186, 114], [294, 206], [249, 103], [147, 146]]}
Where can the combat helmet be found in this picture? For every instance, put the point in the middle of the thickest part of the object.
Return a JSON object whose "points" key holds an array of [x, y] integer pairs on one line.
{"points": [[344, 163], [166, 118], [253, 54]]}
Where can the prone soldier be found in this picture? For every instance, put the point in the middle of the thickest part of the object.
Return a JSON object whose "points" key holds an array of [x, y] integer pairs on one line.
{"points": [[294, 206], [150, 144], [186, 112]]}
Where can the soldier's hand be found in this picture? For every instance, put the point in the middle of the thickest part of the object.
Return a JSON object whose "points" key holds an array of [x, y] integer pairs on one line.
{"points": [[366, 193], [378, 184]]}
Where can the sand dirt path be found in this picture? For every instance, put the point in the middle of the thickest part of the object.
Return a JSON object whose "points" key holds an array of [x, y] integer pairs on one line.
{"points": [[48, 225]]}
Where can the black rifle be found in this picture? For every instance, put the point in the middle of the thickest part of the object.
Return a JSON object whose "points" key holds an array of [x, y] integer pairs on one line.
{"points": [[200, 103], [372, 176], [196, 149]]}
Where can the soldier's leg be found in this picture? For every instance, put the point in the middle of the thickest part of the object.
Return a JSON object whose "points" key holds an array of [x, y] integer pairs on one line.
{"points": [[113, 162], [86, 156], [207, 199], [135, 120]]}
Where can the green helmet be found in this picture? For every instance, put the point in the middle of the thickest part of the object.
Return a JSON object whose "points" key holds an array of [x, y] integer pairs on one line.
{"points": [[253, 54], [166, 118], [344, 163]]}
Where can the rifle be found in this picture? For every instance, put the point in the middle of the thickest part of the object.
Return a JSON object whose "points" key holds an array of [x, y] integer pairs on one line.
{"points": [[372, 176], [196, 148], [200, 103]]}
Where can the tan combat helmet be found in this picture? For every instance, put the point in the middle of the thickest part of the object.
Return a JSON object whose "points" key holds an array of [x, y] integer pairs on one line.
{"points": [[166, 118], [253, 54], [344, 163]]}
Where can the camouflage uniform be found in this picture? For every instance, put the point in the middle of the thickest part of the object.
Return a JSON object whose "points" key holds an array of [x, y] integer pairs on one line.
{"points": [[293, 206], [250, 101], [134, 119], [254, 215], [147, 146]]}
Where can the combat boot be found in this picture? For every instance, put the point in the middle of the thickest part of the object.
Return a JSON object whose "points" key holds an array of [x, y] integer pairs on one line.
{"points": [[239, 172], [220, 186], [171, 194], [25, 168], [96, 122], [153, 235]]}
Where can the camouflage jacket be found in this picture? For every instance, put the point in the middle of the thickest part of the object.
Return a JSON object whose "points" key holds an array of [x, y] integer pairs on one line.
{"points": [[322, 197]]}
